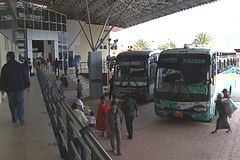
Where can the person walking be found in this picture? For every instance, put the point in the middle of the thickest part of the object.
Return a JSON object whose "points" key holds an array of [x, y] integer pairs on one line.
{"points": [[65, 65], [56, 66], [48, 66], [26, 64], [128, 108], [64, 81], [79, 89], [115, 127], [14, 80], [111, 89], [101, 121], [222, 121], [77, 108], [76, 71]]}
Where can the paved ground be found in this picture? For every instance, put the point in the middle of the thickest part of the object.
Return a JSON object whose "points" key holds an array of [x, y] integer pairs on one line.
{"points": [[172, 139], [154, 138]]}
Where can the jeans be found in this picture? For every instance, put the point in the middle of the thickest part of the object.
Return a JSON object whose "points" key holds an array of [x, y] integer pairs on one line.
{"points": [[79, 146], [129, 125], [16, 105], [115, 139]]}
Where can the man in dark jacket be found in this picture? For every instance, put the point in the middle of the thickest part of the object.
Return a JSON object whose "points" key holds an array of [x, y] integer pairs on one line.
{"points": [[14, 80], [128, 108]]}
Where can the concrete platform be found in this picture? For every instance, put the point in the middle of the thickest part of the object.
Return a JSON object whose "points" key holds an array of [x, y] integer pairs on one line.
{"points": [[34, 140]]}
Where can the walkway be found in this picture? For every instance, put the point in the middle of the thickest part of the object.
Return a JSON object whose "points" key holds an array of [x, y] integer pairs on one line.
{"points": [[34, 140]]}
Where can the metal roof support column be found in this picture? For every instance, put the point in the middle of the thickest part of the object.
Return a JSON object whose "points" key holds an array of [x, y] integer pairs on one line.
{"points": [[92, 47], [104, 37], [89, 25], [76, 36], [104, 26], [113, 26]]}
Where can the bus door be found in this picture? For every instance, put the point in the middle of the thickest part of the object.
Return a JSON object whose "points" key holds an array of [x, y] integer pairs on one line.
{"points": [[152, 67]]}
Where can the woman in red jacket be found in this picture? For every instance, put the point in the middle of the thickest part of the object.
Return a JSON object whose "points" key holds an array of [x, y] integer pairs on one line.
{"points": [[101, 121]]}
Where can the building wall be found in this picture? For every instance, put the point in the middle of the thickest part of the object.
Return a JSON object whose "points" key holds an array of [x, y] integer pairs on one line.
{"points": [[80, 45], [45, 36]]}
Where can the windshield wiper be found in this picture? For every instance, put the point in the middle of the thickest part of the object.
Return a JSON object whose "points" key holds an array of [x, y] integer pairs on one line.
{"points": [[180, 84]]}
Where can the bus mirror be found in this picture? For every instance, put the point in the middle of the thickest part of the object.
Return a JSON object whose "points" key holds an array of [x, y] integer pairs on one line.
{"points": [[212, 79]]}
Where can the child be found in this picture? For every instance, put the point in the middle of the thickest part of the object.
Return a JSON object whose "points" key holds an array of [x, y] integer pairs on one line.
{"points": [[91, 121]]}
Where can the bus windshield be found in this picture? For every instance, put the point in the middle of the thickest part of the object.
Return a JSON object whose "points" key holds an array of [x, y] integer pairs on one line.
{"points": [[130, 73], [183, 79]]}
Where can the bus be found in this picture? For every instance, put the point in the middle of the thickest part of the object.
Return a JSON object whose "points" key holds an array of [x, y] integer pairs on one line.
{"points": [[188, 80], [134, 73]]}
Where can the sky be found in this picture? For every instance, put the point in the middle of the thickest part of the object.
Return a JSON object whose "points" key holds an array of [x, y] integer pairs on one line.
{"points": [[219, 19]]}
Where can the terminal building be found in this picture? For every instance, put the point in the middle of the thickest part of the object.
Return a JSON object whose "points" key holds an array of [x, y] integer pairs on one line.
{"points": [[38, 31], [68, 29]]}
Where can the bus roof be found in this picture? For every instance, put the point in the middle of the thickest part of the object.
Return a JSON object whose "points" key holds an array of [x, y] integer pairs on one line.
{"points": [[136, 54], [187, 51]]}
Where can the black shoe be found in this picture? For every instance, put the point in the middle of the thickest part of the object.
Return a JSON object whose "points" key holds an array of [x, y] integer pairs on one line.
{"points": [[22, 122], [213, 132], [130, 137], [229, 131], [112, 150], [119, 153]]}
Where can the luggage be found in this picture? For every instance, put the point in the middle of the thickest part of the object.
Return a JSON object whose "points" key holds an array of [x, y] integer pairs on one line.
{"points": [[229, 107]]}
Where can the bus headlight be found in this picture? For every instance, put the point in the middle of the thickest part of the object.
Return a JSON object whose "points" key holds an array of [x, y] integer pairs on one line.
{"points": [[159, 105], [200, 108]]}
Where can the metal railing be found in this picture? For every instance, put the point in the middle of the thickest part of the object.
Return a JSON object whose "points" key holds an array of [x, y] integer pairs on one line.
{"points": [[65, 124]]}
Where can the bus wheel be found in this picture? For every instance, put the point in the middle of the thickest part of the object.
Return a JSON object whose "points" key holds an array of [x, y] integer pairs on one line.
{"points": [[210, 120]]}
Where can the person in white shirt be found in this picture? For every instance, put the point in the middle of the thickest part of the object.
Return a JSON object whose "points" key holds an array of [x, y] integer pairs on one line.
{"points": [[77, 108]]}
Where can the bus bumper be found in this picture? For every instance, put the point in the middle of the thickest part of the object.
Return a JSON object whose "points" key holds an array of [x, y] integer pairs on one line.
{"points": [[190, 115]]}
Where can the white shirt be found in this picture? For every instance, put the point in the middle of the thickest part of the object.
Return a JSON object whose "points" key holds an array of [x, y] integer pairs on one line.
{"points": [[82, 118], [91, 120]]}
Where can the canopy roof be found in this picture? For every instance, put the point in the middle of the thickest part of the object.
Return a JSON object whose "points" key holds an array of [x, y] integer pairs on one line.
{"points": [[122, 13]]}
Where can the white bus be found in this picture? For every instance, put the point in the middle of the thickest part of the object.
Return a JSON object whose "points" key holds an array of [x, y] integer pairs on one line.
{"points": [[188, 80], [134, 73]]}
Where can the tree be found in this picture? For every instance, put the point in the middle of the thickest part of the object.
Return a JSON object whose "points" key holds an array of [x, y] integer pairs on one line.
{"points": [[172, 44], [141, 45], [165, 46], [202, 39]]}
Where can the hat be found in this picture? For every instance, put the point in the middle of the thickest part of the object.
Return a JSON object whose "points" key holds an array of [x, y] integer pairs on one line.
{"points": [[224, 90], [80, 103]]}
